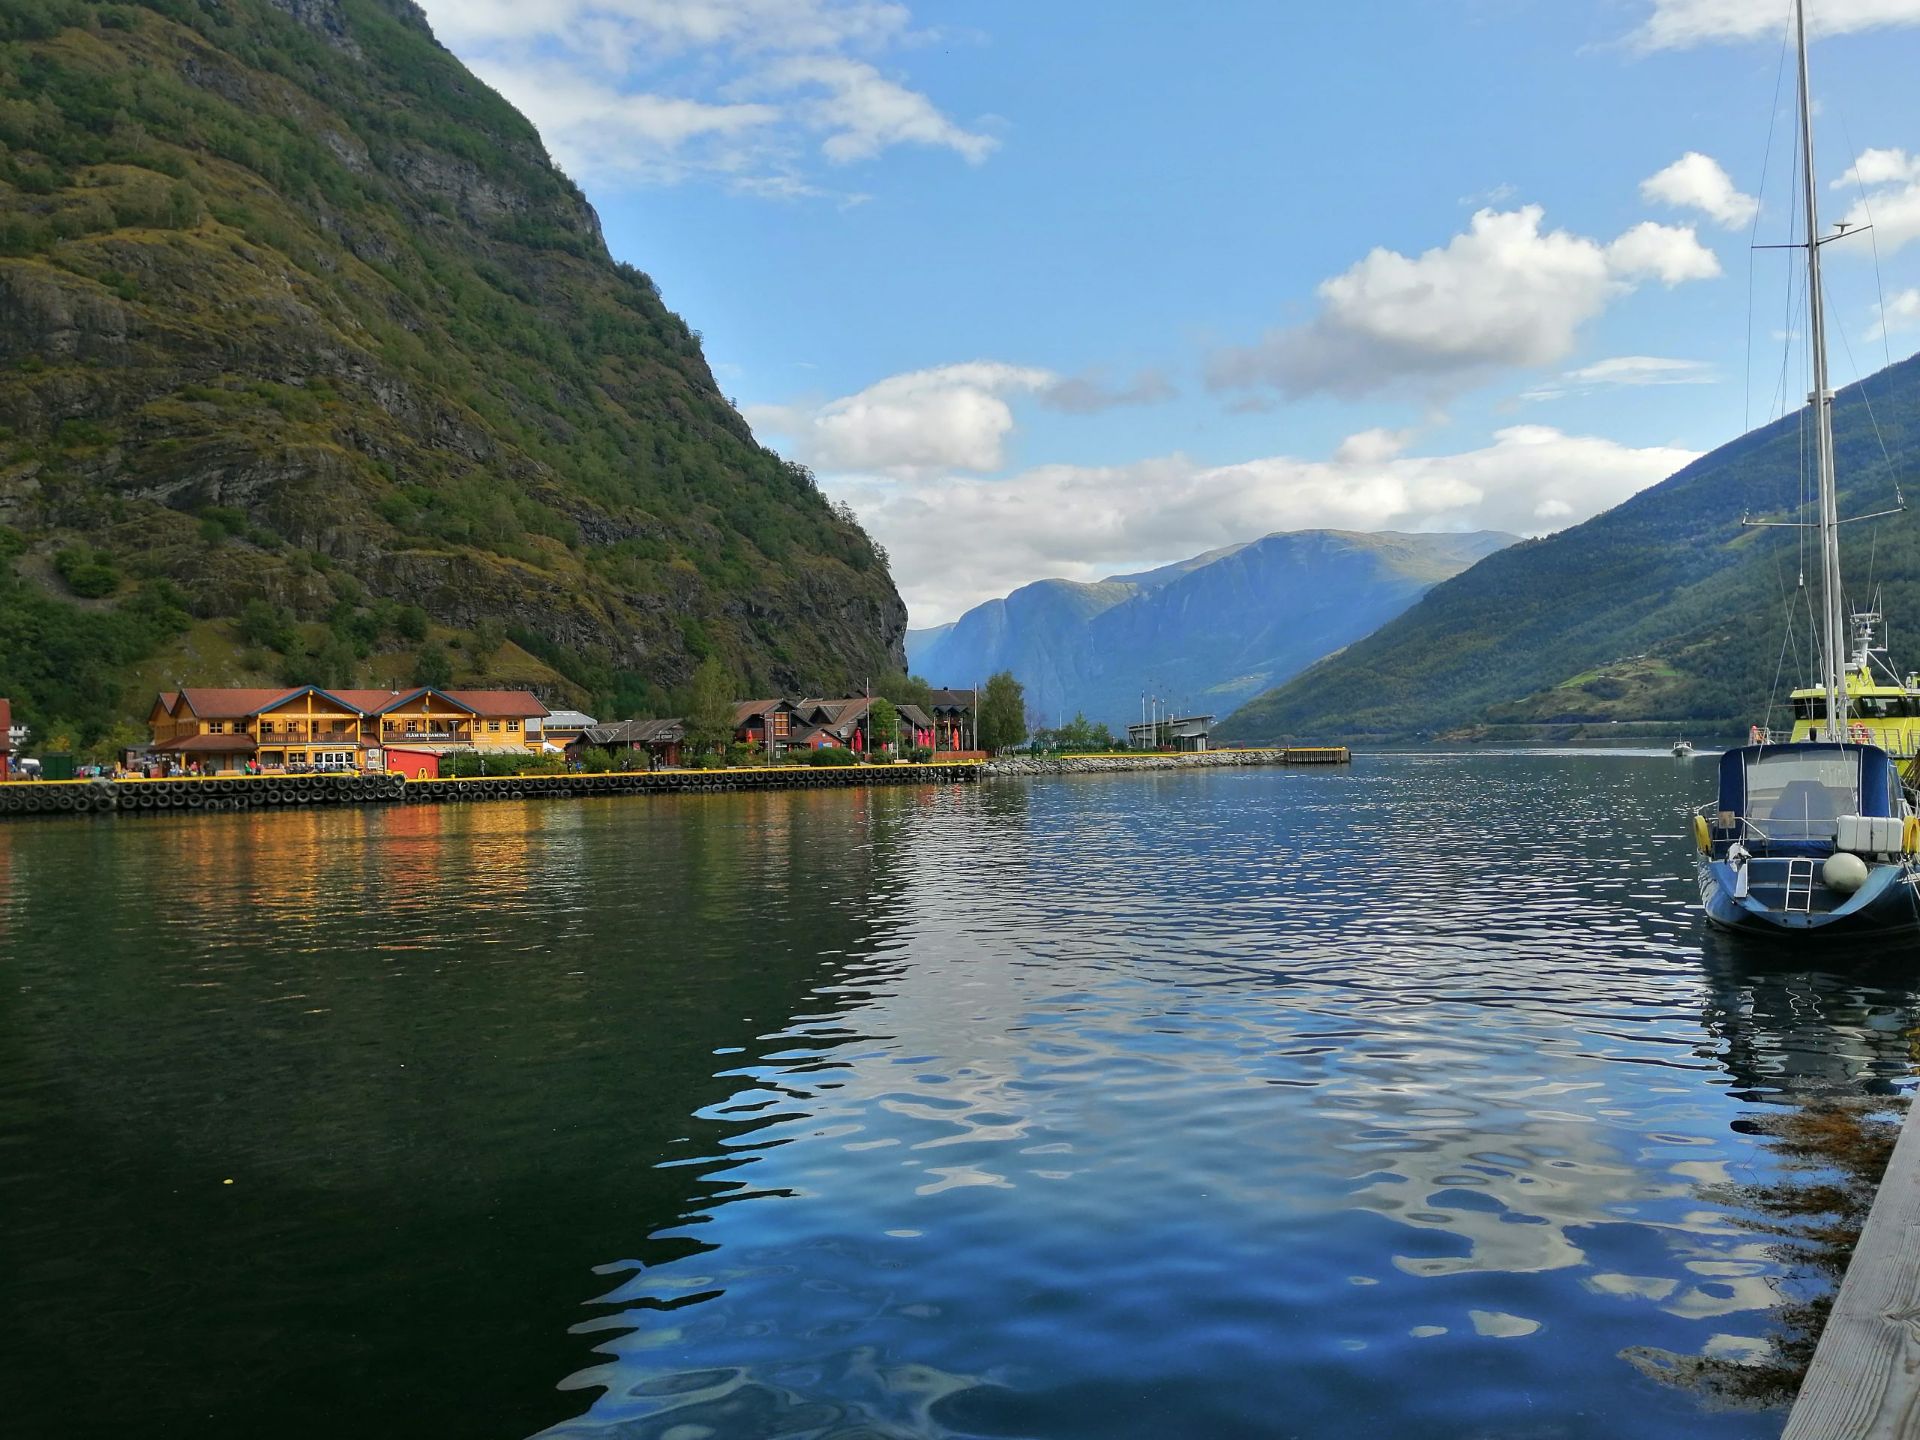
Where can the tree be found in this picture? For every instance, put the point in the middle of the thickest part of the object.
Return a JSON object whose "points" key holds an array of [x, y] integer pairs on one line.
{"points": [[709, 717], [488, 636], [265, 624], [883, 724], [412, 624], [1003, 712], [432, 667]]}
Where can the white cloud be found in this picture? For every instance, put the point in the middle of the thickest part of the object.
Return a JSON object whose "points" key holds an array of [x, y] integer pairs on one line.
{"points": [[1880, 167], [1671, 254], [949, 417], [631, 30], [957, 540], [1625, 370], [1696, 182], [1888, 186], [1675, 24], [592, 128], [755, 94], [861, 112], [1902, 312], [952, 417], [1505, 293]]}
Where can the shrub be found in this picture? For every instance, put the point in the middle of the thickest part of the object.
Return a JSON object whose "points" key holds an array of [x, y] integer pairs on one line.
{"points": [[833, 757], [596, 762], [743, 754], [88, 573]]}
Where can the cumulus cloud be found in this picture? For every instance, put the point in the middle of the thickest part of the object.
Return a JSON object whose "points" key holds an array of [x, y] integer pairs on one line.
{"points": [[960, 539], [752, 93], [1697, 182], [1676, 24], [593, 128], [1625, 370], [1505, 293], [951, 417], [1887, 185], [948, 417], [1902, 312]]}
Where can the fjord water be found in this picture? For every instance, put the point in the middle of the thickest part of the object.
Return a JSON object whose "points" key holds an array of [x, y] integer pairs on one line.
{"points": [[1399, 1101]]}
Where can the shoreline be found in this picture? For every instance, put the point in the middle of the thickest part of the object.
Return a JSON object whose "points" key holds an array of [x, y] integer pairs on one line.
{"points": [[22, 798], [1015, 766]]}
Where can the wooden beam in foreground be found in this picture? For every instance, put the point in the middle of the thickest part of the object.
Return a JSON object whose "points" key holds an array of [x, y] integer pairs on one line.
{"points": [[1864, 1383]]}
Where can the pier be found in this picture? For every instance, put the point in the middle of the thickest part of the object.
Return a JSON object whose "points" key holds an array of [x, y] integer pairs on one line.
{"points": [[1864, 1382], [250, 792]]}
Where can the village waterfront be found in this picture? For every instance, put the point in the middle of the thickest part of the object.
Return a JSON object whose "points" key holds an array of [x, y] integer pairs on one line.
{"points": [[1228, 1102]]}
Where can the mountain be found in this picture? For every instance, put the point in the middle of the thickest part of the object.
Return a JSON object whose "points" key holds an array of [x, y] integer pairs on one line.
{"points": [[296, 311], [1664, 608], [1204, 634]]}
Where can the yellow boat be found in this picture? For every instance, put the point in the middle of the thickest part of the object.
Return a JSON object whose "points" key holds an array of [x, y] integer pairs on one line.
{"points": [[1883, 706]]}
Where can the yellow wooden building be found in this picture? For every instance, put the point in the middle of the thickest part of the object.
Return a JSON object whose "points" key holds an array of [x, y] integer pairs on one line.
{"points": [[312, 728]]}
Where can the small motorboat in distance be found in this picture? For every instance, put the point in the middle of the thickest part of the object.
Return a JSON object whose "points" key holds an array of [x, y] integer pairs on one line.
{"points": [[1682, 749]]}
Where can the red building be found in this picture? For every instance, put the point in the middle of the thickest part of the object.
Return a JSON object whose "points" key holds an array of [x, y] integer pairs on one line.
{"points": [[6, 740], [414, 764]]}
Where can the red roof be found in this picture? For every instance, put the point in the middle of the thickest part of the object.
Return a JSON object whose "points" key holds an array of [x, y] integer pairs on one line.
{"points": [[209, 745], [213, 704], [501, 704], [6, 724], [237, 704]]}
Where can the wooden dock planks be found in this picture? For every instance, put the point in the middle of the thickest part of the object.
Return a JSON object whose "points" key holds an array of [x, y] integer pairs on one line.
{"points": [[1864, 1382]]}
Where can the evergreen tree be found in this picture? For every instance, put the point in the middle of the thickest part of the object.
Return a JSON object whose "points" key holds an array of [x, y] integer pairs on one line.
{"points": [[432, 667]]}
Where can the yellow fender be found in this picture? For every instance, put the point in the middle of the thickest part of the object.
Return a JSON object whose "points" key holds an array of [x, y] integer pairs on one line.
{"points": [[1703, 837], [1910, 837]]}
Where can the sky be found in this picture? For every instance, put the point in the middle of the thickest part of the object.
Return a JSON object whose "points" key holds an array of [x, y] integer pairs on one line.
{"points": [[1082, 288]]}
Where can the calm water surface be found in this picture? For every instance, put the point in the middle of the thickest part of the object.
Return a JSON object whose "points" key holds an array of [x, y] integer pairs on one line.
{"points": [[1391, 1102]]}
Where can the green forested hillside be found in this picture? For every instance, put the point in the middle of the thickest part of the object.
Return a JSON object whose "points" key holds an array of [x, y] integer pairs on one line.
{"points": [[1669, 587], [295, 311]]}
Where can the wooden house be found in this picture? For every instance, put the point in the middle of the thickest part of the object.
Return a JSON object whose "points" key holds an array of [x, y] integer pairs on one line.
{"points": [[6, 739], [954, 714], [310, 728], [661, 741], [768, 724]]}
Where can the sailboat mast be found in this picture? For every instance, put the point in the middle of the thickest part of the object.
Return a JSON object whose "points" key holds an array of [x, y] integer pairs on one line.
{"points": [[1832, 673]]}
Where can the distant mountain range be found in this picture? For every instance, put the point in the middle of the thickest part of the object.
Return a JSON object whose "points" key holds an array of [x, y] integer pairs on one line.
{"points": [[1204, 634], [1664, 608]]}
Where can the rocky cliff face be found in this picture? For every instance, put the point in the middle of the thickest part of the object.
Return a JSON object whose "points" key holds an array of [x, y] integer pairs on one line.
{"points": [[294, 309]]}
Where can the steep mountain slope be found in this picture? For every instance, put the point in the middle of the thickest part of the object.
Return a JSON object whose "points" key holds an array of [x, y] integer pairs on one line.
{"points": [[294, 309], [1670, 576], [1203, 634]]}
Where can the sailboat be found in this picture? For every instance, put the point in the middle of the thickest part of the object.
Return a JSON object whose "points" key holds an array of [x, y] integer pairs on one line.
{"points": [[1815, 836]]}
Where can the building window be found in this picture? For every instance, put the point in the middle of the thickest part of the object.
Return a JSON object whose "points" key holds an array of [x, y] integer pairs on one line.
{"points": [[779, 723], [493, 726]]}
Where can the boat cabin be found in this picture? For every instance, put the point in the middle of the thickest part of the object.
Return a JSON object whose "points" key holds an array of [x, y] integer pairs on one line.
{"points": [[1808, 799]]}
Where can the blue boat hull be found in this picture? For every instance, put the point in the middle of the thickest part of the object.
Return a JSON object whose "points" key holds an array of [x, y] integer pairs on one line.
{"points": [[1886, 907]]}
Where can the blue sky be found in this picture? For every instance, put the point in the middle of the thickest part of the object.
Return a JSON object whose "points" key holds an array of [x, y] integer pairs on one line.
{"points": [[1079, 288]]}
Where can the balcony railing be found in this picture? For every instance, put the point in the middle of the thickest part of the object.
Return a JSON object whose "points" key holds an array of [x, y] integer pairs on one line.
{"points": [[347, 738]]}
